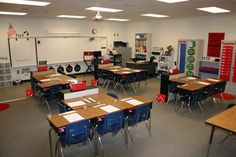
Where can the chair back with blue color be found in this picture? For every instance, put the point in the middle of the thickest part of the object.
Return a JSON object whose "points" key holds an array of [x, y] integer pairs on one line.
{"points": [[113, 95], [113, 122], [76, 132], [141, 113]]}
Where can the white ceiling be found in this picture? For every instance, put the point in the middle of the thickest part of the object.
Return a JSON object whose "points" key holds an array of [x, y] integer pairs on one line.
{"points": [[132, 8]]}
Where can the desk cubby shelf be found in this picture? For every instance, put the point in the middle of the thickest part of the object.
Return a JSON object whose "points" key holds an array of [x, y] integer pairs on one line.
{"points": [[208, 69]]}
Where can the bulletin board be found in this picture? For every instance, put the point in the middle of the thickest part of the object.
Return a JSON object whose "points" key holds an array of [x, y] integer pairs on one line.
{"points": [[22, 52]]}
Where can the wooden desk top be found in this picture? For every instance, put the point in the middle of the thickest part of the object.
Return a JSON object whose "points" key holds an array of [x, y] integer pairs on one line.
{"points": [[225, 120], [138, 62], [110, 68], [192, 86], [184, 79], [51, 78], [90, 112]]}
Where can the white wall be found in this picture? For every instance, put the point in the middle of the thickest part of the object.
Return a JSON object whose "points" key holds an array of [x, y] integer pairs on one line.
{"points": [[38, 26], [167, 31]]}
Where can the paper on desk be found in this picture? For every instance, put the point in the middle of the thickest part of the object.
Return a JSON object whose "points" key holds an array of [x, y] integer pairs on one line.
{"points": [[72, 80], [126, 72], [214, 80], [191, 78], [45, 80], [73, 117], [126, 69], [115, 70], [126, 99], [203, 83], [91, 99], [109, 108], [76, 103], [134, 102], [55, 74]]}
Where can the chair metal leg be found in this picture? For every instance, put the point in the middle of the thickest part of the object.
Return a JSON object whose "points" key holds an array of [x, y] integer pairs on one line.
{"points": [[50, 141], [169, 98], [90, 144], [47, 104], [104, 83], [131, 137], [189, 108], [135, 91], [200, 106], [148, 125], [100, 142], [95, 141], [180, 107], [61, 150], [123, 89], [222, 141], [56, 147], [109, 81], [115, 87]]}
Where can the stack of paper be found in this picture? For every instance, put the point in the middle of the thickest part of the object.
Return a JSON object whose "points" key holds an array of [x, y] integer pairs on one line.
{"points": [[109, 108], [191, 78], [134, 102], [65, 113], [76, 103], [73, 117]]}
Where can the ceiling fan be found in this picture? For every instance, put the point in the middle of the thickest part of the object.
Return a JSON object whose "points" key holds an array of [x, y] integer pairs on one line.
{"points": [[98, 17]]}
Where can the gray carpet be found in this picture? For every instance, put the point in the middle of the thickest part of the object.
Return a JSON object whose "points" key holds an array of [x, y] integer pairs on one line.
{"points": [[24, 131]]}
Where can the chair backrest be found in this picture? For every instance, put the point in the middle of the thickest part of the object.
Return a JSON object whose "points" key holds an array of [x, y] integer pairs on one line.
{"points": [[196, 96], [113, 122], [141, 113], [210, 91], [173, 86], [221, 86], [76, 132], [62, 108], [113, 95]]}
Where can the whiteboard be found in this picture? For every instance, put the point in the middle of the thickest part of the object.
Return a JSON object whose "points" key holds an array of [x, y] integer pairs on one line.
{"points": [[22, 52], [67, 49]]}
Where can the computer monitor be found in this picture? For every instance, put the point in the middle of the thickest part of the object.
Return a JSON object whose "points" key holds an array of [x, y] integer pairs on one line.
{"points": [[97, 54]]}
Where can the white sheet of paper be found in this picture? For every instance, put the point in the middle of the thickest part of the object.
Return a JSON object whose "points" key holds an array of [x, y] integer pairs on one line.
{"points": [[73, 117], [45, 80], [55, 74], [115, 70], [91, 99], [203, 83], [213, 80], [109, 108], [76, 103], [191, 78], [126, 68], [134, 102], [126, 72], [72, 80]]}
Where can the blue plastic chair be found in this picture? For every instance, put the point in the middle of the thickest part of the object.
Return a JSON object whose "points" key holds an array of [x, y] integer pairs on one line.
{"points": [[74, 133], [112, 123], [141, 114], [113, 95]]}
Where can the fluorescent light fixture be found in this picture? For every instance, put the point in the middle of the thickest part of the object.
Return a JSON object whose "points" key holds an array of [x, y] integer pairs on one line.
{"points": [[213, 10], [115, 19], [71, 16], [154, 15], [103, 9], [11, 13], [172, 1], [25, 2]]}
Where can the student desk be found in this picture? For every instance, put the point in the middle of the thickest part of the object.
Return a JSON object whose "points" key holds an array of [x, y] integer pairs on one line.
{"points": [[225, 120], [93, 111]]}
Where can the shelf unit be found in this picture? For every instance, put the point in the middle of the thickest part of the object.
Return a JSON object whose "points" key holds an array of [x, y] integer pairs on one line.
{"points": [[5, 75], [165, 62], [228, 64], [208, 69], [143, 46]]}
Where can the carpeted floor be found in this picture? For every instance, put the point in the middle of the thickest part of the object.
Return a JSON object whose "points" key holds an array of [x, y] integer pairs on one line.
{"points": [[24, 131]]}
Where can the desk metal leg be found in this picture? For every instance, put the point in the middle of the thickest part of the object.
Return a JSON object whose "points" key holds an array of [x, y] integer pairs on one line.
{"points": [[50, 141], [210, 140]]}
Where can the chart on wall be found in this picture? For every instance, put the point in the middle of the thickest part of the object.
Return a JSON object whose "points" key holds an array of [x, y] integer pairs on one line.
{"points": [[67, 49], [22, 52]]}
